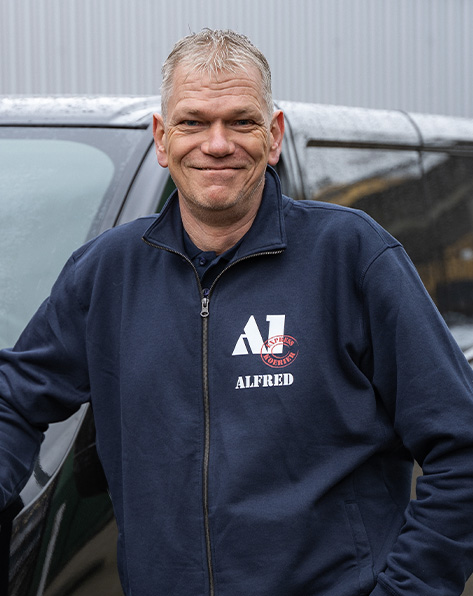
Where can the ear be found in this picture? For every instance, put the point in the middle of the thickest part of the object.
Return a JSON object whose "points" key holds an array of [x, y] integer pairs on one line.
{"points": [[159, 140], [276, 137]]}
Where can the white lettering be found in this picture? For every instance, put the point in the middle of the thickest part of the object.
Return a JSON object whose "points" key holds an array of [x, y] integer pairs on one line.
{"points": [[252, 335], [288, 379], [258, 379], [248, 382], [277, 380], [276, 327], [254, 339]]}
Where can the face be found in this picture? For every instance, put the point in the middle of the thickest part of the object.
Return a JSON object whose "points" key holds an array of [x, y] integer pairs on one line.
{"points": [[217, 141]]}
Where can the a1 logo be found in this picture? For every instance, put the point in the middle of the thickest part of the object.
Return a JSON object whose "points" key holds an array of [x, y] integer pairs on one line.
{"points": [[251, 337]]}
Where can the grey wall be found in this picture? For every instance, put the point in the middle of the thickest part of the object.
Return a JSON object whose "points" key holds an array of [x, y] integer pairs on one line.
{"points": [[414, 55]]}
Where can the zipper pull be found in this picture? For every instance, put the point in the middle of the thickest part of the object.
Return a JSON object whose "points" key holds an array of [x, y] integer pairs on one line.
{"points": [[205, 307], [205, 303]]}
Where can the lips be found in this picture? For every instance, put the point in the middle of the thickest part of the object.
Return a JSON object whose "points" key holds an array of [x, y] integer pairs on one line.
{"points": [[216, 168]]}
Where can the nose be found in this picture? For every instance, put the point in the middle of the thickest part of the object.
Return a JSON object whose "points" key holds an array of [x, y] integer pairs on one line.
{"points": [[217, 142]]}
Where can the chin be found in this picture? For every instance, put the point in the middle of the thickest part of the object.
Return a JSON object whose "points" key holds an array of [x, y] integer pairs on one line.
{"points": [[218, 204], [215, 201]]}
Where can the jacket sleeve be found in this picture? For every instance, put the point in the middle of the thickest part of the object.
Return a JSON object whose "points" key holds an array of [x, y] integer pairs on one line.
{"points": [[426, 384], [43, 379]]}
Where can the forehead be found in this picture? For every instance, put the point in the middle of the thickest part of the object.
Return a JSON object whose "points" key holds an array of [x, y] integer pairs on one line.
{"points": [[192, 88]]}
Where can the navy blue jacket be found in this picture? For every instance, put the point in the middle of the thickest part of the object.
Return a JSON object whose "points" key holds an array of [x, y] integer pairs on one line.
{"points": [[258, 435]]}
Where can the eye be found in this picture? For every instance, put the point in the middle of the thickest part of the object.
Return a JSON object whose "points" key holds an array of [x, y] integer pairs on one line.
{"points": [[244, 122], [189, 125]]}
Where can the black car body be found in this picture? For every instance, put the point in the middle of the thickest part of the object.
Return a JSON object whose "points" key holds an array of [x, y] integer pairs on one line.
{"points": [[72, 167]]}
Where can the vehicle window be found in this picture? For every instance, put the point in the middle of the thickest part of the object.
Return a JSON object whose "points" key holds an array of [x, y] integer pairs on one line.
{"points": [[51, 190], [432, 217], [150, 190], [385, 183], [54, 188], [446, 261]]}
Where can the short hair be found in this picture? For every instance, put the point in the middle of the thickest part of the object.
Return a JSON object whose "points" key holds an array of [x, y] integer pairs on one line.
{"points": [[213, 51]]}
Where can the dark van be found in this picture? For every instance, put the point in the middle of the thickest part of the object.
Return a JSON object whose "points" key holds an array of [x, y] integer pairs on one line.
{"points": [[71, 167]]}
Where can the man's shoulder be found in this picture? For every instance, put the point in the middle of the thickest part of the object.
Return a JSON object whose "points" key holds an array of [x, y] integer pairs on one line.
{"points": [[319, 209], [340, 222], [117, 240], [105, 259]]}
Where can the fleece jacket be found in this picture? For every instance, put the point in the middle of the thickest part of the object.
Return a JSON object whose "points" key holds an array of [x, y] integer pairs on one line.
{"points": [[258, 435]]}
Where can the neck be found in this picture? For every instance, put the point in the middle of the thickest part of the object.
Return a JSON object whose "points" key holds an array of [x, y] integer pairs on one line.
{"points": [[209, 237], [216, 231]]}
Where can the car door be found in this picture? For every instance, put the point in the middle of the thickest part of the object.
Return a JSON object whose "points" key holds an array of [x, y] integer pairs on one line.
{"points": [[60, 187]]}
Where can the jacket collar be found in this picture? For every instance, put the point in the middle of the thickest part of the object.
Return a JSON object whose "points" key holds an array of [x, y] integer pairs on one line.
{"points": [[267, 233]]}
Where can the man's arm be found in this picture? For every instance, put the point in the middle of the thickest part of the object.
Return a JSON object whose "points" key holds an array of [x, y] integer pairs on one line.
{"points": [[43, 379], [426, 385], [19, 447]]}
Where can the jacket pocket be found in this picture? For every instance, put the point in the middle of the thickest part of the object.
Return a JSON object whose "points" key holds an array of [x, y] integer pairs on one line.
{"points": [[362, 548]]}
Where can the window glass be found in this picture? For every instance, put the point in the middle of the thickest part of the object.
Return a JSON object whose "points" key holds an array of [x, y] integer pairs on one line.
{"points": [[55, 186], [59, 186], [51, 190], [446, 262], [432, 217], [385, 183]]}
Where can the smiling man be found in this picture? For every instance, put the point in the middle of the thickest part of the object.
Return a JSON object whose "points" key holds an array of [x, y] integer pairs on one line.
{"points": [[217, 135], [262, 372]]}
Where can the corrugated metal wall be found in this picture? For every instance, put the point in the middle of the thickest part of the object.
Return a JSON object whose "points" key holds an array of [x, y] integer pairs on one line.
{"points": [[410, 54]]}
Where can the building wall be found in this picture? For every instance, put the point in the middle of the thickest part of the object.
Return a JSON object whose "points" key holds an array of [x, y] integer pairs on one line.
{"points": [[414, 55]]}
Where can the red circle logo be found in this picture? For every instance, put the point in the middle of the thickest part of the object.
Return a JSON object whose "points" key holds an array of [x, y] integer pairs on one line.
{"points": [[279, 351]]}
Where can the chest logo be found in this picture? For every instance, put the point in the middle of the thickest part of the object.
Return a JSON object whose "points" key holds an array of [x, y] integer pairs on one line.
{"points": [[278, 351]]}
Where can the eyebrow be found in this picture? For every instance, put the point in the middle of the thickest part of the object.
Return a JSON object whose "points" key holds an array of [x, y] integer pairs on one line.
{"points": [[236, 113]]}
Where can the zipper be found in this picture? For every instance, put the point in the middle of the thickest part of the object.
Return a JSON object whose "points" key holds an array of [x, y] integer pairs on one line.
{"points": [[206, 459], [205, 295], [204, 313]]}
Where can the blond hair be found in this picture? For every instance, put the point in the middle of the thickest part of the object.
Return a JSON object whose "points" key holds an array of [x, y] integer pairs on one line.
{"points": [[210, 52]]}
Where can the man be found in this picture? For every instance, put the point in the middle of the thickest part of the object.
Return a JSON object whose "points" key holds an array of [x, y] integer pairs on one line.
{"points": [[262, 372]]}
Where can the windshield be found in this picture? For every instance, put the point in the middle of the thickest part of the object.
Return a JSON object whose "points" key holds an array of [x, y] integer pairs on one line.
{"points": [[54, 187]]}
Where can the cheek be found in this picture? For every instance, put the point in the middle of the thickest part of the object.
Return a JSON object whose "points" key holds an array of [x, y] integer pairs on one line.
{"points": [[183, 151], [258, 146]]}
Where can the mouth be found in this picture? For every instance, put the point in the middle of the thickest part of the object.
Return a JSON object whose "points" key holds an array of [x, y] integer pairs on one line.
{"points": [[216, 168]]}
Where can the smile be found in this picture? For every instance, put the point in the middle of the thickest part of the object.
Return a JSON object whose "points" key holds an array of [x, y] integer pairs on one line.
{"points": [[217, 169]]}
